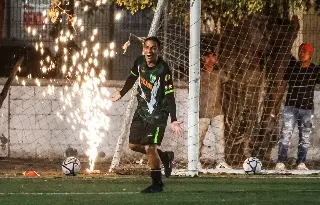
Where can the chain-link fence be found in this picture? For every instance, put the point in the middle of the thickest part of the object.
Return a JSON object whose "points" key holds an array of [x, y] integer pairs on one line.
{"points": [[21, 15]]}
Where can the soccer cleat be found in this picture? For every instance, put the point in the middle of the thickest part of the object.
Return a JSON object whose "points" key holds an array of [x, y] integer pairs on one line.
{"points": [[168, 163], [302, 166], [154, 188], [280, 167], [223, 165]]}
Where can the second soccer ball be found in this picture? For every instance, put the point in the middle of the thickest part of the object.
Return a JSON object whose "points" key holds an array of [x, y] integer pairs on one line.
{"points": [[252, 165], [71, 166]]}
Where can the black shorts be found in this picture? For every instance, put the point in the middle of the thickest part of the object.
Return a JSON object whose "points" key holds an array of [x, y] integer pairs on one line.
{"points": [[144, 133]]}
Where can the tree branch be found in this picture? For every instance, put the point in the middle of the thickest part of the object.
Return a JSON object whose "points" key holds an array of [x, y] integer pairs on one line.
{"points": [[6, 86]]}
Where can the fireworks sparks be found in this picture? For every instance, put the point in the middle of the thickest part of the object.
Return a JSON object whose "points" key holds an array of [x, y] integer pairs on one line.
{"points": [[118, 16], [84, 105]]}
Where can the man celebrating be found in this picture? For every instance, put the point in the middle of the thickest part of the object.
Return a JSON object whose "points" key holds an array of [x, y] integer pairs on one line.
{"points": [[301, 78], [155, 102]]}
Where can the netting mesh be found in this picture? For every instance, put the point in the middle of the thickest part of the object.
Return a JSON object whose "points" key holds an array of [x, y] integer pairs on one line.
{"points": [[241, 106], [240, 110]]}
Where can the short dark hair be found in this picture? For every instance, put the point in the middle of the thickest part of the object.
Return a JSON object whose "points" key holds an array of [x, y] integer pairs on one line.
{"points": [[208, 51], [153, 38]]}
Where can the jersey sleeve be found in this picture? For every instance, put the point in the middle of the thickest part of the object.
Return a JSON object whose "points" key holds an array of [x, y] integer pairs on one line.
{"points": [[168, 82], [169, 94], [134, 74], [135, 67]]}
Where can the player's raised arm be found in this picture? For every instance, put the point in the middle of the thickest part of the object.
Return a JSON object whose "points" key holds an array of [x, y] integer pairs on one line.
{"points": [[128, 84]]}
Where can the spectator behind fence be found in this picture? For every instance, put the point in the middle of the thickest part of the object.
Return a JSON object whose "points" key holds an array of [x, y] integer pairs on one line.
{"points": [[210, 113], [300, 78]]}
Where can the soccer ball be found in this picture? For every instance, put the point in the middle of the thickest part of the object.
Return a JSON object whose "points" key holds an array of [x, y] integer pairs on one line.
{"points": [[252, 165], [71, 166]]}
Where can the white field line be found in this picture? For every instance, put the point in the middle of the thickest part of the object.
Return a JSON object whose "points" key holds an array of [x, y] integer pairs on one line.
{"points": [[183, 172]]}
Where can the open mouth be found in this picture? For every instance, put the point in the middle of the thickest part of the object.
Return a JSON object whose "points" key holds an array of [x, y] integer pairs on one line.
{"points": [[149, 56]]}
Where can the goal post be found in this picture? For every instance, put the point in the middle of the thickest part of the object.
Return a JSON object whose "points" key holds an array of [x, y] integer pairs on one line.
{"points": [[194, 87]]}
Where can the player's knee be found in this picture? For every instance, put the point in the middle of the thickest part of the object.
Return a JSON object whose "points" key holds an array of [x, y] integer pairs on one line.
{"points": [[151, 149], [133, 147]]}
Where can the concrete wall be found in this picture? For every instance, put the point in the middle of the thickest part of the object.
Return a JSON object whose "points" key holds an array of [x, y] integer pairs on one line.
{"points": [[29, 120], [35, 130]]}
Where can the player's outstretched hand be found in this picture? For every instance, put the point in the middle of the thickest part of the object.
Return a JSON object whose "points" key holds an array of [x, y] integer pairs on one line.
{"points": [[116, 96], [176, 128]]}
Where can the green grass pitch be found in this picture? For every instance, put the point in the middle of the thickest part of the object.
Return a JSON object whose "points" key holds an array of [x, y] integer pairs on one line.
{"points": [[178, 190]]}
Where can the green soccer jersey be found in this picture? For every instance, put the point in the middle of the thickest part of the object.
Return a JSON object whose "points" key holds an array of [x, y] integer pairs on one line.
{"points": [[153, 86]]}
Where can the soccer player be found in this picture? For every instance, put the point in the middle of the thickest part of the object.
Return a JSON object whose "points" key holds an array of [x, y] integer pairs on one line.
{"points": [[155, 102], [210, 113], [301, 78]]}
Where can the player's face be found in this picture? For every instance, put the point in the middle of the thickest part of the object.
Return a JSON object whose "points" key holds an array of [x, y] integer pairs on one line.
{"points": [[151, 51], [304, 55]]}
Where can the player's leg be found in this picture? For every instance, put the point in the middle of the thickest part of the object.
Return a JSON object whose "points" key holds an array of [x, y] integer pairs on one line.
{"points": [[152, 139], [167, 161], [137, 130], [154, 164], [137, 147], [290, 116], [305, 128], [165, 157]]}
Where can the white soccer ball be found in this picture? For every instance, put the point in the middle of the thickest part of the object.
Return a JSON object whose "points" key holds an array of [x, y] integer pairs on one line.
{"points": [[71, 166], [252, 165]]}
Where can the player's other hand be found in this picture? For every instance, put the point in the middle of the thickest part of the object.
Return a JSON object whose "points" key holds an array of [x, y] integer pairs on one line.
{"points": [[176, 128], [115, 96]]}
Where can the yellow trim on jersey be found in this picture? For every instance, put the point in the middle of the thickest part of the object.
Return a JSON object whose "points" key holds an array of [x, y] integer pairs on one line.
{"points": [[133, 73], [169, 91], [156, 136]]}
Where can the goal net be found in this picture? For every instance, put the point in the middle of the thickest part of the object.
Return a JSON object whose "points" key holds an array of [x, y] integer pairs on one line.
{"points": [[241, 103]]}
